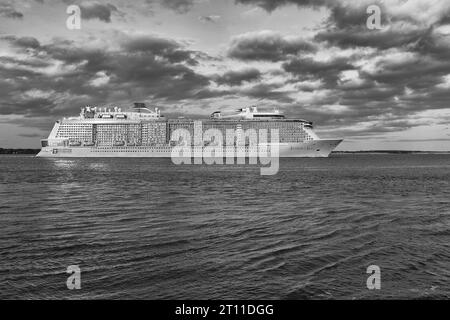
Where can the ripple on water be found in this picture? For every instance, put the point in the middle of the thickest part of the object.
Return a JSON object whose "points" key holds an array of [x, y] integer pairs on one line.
{"points": [[145, 228]]}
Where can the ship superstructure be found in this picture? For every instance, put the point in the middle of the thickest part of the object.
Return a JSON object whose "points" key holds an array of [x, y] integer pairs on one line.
{"points": [[142, 132]]}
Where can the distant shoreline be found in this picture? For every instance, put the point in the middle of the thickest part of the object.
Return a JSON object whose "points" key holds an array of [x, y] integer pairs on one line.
{"points": [[19, 151]]}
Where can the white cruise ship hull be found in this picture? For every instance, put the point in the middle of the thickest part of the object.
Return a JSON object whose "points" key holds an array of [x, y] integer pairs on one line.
{"points": [[312, 148]]}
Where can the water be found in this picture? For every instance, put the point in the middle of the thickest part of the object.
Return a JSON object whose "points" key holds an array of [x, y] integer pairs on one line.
{"points": [[148, 229]]}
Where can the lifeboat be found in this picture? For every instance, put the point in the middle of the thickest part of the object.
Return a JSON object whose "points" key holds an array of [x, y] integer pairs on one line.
{"points": [[119, 143]]}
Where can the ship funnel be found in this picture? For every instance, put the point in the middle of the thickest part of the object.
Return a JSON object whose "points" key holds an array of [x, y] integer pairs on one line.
{"points": [[138, 105]]}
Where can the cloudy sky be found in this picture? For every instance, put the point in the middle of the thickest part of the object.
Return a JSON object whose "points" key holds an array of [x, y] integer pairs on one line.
{"points": [[318, 60]]}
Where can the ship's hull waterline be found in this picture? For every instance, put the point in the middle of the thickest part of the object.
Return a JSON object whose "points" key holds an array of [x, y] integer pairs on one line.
{"points": [[314, 148]]}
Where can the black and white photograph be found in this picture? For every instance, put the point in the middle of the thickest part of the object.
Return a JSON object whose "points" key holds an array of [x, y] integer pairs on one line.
{"points": [[202, 151]]}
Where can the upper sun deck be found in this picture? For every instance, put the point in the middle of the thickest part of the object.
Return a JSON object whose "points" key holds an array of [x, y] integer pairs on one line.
{"points": [[249, 113], [253, 114], [115, 114]]}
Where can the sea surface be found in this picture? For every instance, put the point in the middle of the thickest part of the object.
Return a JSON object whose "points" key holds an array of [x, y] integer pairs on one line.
{"points": [[150, 229]]}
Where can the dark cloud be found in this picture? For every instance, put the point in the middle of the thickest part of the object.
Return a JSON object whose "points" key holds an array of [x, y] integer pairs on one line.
{"points": [[208, 93], [7, 10], [432, 44], [269, 46], [169, 49], [21, 42], [236, 78], [362, 37], [263, 91], [342, 13], [354, 14], [310, 69], [142, 68], [210, 19], [257, 90], [25, 42], [417, 72], [180, 6], [29, 107], [270, 5], [32, 62], [346, 27], [95, 10], [346, 24]]}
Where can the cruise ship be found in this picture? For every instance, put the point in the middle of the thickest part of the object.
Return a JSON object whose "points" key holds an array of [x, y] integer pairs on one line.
{"points": [[141, 132]]}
